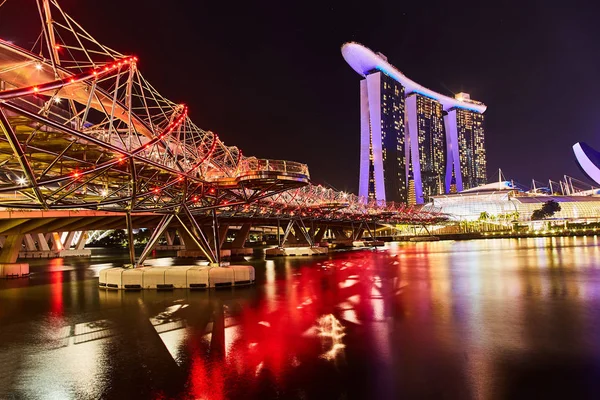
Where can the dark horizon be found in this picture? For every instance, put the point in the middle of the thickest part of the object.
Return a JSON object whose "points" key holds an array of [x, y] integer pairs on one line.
{"points": [[270, 79]]}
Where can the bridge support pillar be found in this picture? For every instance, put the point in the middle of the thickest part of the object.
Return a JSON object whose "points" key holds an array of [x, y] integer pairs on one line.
{"points": [[68, 240], [358, 233], [301, 236], [29, 243], [238, 251], [42, 242], [187, 241], [320, 234], [216, 241], [241, 236], [56, 242], [170, 238], [341, 238], [76, 239], [339, 234], [36, 245], [223, 234], [162, 226], [8, 258], [81, 241], [192, 244], [297, 234], [130, 239]]}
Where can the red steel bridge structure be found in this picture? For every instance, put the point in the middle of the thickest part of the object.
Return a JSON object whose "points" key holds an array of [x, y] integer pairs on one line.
{"points": [[81, 129]]}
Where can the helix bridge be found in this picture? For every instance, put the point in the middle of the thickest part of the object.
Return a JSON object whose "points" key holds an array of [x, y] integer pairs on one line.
{"points": [[82, 129]]}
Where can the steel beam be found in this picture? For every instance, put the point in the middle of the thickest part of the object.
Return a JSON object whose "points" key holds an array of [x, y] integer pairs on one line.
{"points": [[130, 242], [196, 240], [11, 136], [162, 225]]}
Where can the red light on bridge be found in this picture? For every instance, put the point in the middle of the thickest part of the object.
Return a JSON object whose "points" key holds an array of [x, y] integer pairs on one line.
{"points": [[76, 174], [156, 190]]}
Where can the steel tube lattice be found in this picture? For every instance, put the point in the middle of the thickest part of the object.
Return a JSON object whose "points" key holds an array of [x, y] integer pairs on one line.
{"points": [[81, 128]]}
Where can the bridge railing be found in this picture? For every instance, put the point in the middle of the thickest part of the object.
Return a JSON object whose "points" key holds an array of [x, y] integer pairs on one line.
{"points": [[253, 164]]}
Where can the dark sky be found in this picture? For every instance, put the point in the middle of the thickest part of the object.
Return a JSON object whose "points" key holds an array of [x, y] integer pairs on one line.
{"points": [[268, 76]]}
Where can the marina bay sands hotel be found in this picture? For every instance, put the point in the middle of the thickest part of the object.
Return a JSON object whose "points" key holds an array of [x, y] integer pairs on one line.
{"points": [[412, 134]]}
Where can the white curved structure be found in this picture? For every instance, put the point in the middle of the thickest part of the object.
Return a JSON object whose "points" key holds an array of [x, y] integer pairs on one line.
{"points": [[403, 124], [589, 160]]}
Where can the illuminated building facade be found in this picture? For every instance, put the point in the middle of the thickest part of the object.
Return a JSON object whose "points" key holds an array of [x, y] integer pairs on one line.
{"points": [[470, 140], [412, 197], [428, 145], [383, 154], [407, 128], [503, 199]]}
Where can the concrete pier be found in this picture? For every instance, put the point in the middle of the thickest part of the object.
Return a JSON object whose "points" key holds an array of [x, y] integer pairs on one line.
{"points": [[296, 251]]}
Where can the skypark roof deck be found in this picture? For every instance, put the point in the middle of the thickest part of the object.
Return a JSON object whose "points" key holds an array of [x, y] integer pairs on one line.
{"points": [[364, 60]]}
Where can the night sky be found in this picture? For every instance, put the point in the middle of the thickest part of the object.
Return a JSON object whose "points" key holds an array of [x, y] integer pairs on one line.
{"points": [[268, 76]]}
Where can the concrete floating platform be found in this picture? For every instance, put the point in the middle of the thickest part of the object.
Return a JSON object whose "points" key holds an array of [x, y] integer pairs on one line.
{"points": [[132, 278], [75, 253], [38, 254], [55, 254], [243, 275], [14, 270], [296, 251], [153, 278], [424, 239], [368, 243], [176, 277], [197, 277], [221, 277]]}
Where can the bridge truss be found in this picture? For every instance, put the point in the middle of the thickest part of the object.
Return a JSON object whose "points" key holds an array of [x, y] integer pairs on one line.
{"points": [[81, 128]]}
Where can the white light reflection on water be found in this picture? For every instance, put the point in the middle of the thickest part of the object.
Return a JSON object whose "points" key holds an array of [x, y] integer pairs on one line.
{"points": [[270, 286], [331, 332], [45, 374], [171, 330]]}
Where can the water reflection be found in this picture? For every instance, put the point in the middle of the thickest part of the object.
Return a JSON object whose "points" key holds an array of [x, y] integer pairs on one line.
{"points": [[475, 319]]}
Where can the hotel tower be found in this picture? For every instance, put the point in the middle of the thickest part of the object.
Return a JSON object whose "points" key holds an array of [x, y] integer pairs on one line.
{"points": [[409, 130]]}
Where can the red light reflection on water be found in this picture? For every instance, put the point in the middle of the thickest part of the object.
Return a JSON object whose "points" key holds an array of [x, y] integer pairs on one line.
{"points": [[56, 287], [301, 319]]}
